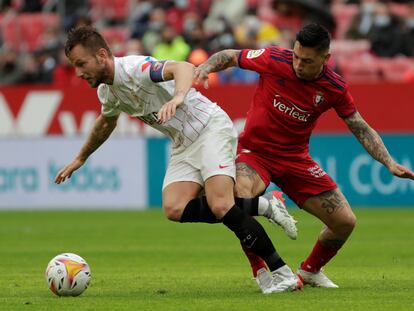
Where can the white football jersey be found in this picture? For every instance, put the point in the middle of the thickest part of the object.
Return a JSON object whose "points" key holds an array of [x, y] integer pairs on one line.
{"points": [[136, 90]]}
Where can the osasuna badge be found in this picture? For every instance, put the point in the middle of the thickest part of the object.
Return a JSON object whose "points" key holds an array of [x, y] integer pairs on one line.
{"points": [[318, 99], [254, 53]]}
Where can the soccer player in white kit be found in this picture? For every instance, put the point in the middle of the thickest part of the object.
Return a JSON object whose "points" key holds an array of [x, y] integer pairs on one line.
{"points": [[204, 140]]}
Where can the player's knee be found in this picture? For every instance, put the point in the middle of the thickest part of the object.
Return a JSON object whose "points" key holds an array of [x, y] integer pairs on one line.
{"points": [[219, 206], [173, 210], [243, 190], [345, 225]]}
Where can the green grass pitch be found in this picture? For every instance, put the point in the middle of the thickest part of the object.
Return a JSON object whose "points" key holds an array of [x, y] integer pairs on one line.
{"points": [[142, 261]]}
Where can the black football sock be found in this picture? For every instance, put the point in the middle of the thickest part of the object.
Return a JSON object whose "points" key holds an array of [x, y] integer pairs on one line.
{"points": [[197, 210], [253, 236], [249, 206]]}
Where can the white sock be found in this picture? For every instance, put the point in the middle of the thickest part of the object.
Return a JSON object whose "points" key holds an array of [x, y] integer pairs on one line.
{"points": [[263, 206]]}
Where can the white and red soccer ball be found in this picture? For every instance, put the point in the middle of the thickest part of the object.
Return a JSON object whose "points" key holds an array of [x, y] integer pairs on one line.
{"points": [[68, 275]]}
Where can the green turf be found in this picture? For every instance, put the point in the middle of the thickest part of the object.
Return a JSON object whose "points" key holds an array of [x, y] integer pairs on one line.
{"points": [[141, 261]]}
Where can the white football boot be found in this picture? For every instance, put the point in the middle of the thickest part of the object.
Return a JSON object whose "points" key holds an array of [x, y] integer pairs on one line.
{"points": [[283, 280], [264, 280], [317, 279], [278, 214]]}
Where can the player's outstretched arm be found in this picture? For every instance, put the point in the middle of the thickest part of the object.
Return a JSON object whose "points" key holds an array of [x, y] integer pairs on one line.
{"points": [[100, 132], [373, 143], [217, 62], [182, 73]]}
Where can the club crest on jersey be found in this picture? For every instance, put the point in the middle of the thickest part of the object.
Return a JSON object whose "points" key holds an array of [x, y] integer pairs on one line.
{"points": [[318, 99], [254, 53]]}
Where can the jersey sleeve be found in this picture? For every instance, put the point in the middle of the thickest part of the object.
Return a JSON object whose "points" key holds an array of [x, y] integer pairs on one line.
{"points": [[108, 102], [149, 69], [345, 106], [256, 60]]}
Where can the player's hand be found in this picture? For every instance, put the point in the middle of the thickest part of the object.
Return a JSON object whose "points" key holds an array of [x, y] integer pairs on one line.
{"points": [[201, 76], [67, 171], [401, 171], [168, 110]]}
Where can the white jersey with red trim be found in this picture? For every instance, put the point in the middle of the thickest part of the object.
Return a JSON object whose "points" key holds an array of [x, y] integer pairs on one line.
{"points": [[139, 90]]}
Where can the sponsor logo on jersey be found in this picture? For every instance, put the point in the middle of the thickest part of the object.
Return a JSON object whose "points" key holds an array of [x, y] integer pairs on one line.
{"points": [[318, 99], [254, 53], [290, 109]]}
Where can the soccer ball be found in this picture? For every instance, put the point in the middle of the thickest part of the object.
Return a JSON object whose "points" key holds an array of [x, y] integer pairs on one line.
{"points": [[68, 275]]}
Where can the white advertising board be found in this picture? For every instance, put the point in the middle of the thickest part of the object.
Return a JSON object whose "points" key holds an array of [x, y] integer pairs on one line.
{"points": [[113, 177]]}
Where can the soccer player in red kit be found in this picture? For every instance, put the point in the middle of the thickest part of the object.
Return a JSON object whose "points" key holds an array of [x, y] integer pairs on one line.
{"points": [[295, 88]]}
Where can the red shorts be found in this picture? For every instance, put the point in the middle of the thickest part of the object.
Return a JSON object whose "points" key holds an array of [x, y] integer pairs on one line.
{"points": [[299, 176]]}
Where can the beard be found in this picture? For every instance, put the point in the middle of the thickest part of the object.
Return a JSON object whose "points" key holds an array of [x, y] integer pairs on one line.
{"points": [[99, 78]]}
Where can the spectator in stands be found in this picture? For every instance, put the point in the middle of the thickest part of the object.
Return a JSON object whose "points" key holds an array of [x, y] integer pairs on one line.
{"points": [[71, 11], [362, 23], [152, 35], [409, 32], [386, 34], [134, 47], [193, 31], [233, 11], [32, 6], [11, 69], [64, 73], [171, 46]]}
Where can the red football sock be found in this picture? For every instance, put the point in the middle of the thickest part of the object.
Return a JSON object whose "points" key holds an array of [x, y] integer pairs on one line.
{"points": [[255, 261], [319, 257]]}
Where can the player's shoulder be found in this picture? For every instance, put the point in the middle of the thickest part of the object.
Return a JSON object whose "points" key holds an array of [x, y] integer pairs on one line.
{"points": [[104, 94], [335, 80], [279, 54], [131, 63]]}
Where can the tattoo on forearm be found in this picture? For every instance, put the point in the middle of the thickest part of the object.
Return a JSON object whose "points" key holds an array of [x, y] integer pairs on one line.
{"points": [[331, 201], [242, 169], [218, 61], [370, 139], [336, 244], [97, 137]]}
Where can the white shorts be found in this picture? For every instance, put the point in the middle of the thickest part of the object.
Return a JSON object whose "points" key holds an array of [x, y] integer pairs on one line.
{"points": [[213, 153]]}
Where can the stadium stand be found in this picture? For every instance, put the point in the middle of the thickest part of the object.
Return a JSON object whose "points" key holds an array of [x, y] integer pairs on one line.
{"points": [[33, 33]]}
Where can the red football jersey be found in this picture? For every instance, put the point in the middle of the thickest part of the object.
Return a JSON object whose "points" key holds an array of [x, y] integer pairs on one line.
{"points": [[285, 109]]}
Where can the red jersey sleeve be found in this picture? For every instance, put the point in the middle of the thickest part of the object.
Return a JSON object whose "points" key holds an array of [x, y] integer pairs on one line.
{"points": [[256, 60], [345, 106]]}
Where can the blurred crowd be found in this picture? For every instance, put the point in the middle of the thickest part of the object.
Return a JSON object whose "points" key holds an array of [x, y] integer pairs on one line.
{"points": [[32, 32]]}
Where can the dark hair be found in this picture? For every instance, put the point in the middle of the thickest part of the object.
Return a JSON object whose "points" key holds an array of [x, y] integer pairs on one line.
{"points": [[88, 37], [314, 36]]}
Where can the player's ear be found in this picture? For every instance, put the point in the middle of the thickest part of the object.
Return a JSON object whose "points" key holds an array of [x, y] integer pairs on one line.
{"points": [[327, 57], [102, 54]]}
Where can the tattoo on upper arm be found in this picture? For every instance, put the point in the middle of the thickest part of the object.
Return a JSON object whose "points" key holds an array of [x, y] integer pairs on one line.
{"points": [[369, 138]]}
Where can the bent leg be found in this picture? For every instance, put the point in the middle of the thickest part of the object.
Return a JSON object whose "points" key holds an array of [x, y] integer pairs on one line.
{"points": [[176, 196], [333, 210]]}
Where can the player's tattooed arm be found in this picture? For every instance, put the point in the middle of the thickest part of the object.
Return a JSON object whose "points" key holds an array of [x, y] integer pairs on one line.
{"points": [[220, 61], [100, 132], [373, 143], [217, 62], [369, 138]]}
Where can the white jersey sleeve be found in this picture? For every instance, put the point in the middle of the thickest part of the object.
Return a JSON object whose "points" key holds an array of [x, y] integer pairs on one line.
{"points": [[108, 102]]}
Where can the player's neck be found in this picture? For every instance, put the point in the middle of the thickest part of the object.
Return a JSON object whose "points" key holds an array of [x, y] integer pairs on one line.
{"points": [[111, 71]]}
